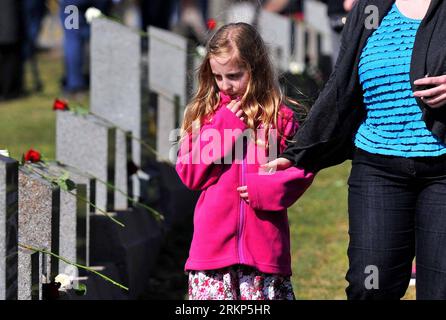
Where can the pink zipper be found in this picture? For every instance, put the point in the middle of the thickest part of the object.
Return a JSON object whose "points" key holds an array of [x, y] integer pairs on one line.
{"points": [[242, 213]]}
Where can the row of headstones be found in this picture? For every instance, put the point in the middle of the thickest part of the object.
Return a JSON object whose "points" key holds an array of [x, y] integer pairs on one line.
{"points": [[290, 41], [96, 150], [35, 213]]}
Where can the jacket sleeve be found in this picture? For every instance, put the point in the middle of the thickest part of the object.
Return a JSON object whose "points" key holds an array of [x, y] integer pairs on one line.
{"points": [[279, 190], [200, 156]]}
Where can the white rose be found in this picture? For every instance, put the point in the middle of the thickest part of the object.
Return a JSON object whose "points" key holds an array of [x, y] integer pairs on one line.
{"points": [[64, 280], [296, 67], [4, 153], [92, 13], [201, 51]]}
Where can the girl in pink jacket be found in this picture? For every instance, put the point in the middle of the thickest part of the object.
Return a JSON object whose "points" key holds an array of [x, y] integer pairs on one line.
{"points": [[241, 243]]}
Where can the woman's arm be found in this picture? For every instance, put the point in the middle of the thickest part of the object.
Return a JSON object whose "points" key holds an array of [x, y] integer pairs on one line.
{"points": [[324, 134], [272, 190]]}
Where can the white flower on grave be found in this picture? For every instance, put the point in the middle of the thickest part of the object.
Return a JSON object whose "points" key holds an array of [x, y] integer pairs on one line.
{"points": [[296, 67], [142, 175], [92, 13], [4, 153], [201, 51], [66, 281]]}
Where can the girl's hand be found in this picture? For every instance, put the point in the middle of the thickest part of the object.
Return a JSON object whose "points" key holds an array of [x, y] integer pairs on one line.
{"points": [[434, 97], [234, 106], [278, 164], [243, 191]]}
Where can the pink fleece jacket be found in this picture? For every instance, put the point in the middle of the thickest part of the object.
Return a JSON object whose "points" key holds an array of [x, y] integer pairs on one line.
{"points": [[228, 231]]}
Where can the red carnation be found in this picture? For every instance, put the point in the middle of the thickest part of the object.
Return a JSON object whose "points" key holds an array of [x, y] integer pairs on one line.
{"points": [[212, 24], [60, 105], [32, 156]]}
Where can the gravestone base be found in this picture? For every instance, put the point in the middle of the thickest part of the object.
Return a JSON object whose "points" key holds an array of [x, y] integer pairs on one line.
{"points": [[177, 201], [133, 248], [97, 287]]}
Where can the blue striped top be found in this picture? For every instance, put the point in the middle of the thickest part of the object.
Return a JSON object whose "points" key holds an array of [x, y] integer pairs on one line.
{"points": [[393, 125]]}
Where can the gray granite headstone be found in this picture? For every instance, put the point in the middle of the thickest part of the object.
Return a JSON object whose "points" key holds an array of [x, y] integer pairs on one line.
{"points": [[74, 216], [85, 200], [88, 143], [312, 47], [240, 12], [274, 29], [119, 91], [169, 78], [316, 18], [8, 227], [299, 44], [39, 204], [276, 32]]}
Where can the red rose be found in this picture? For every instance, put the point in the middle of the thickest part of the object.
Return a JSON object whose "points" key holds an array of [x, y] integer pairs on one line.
{"points": [[212, 24], [32, 156], [60, 105]]}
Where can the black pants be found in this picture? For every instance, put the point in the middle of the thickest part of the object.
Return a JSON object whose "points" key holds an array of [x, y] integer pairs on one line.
{"points": [[11, 71], [397, 210]]}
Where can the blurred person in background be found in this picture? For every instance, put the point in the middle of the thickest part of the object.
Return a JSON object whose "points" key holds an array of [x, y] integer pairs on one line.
{"points": [[34, 12], [291, 8], [156, 13], [192, 20], [11, 45], [337, 11], [75, 82]]}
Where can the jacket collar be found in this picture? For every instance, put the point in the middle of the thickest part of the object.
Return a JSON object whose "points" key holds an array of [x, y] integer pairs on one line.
{"points": [[433, 6]]}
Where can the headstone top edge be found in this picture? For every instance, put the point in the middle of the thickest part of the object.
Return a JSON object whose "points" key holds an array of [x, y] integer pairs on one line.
{"points": [[7, 160], [35, 176], [90, 117], [98, 22], [169, 37]]}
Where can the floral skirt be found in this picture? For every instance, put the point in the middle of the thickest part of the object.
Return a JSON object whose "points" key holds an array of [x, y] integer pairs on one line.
{"points": [[238, 283]]}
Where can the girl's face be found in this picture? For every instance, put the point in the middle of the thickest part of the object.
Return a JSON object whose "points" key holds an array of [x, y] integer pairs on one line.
{"points": [[231, 78]]}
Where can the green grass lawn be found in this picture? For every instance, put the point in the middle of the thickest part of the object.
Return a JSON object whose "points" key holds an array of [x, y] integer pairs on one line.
{"points": [[319, 238], [318, 224], [29, 122], [318, 220]]}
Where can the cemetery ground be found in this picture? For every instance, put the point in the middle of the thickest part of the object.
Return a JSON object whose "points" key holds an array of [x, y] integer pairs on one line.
{"points": [[318, 221]]}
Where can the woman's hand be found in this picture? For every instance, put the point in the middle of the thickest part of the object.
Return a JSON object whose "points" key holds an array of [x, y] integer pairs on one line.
{"points": [[234, 106], [434, 97], [278, 164], [243, 191]]}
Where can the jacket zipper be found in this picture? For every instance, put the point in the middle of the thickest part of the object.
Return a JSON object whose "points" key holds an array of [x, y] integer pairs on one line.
{"points": [[242, 212]]}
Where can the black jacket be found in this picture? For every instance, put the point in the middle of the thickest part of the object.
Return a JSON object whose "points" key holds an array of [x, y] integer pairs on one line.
{"points": [[11, 23], [326, 137], [335, 7]]}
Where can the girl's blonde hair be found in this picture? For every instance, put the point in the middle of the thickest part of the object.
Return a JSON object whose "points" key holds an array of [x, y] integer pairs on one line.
{"points": [[263, 95]]}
